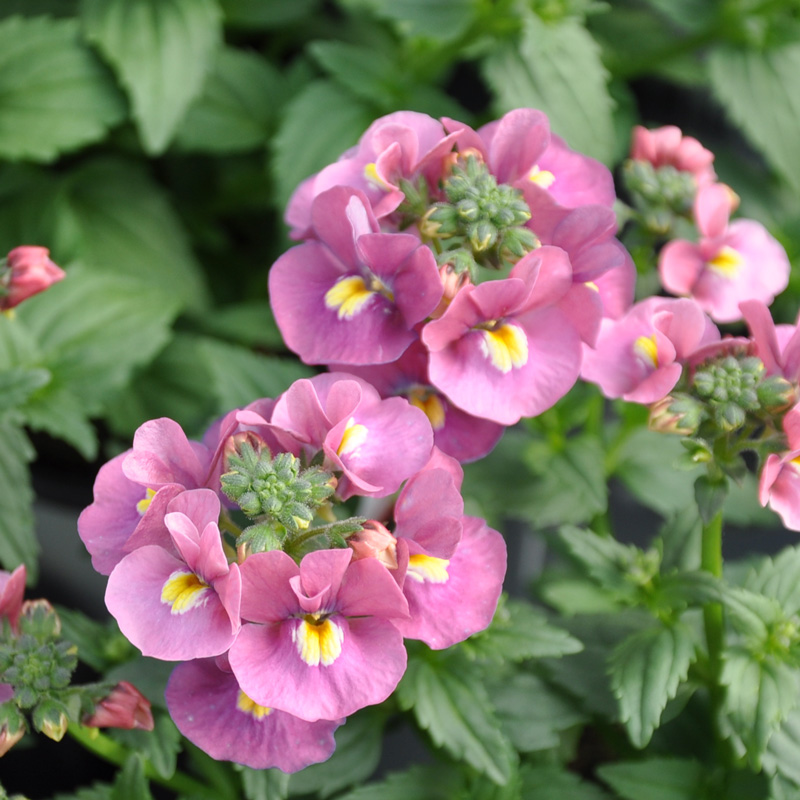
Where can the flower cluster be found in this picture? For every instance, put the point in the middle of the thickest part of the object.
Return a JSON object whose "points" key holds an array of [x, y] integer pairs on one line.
{"points": [[240, 557], [463, 269]]}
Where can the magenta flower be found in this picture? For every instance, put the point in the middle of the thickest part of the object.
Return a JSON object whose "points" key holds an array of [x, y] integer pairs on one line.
{"points": [[319, 641], [730, 264], [181, 604], [640, 356], [405, 144], [667, 146], [778, 346], [455, 432], [30, 271], [209, 708], [12, 592], [779, 482], [503, 349], [354, 294]]}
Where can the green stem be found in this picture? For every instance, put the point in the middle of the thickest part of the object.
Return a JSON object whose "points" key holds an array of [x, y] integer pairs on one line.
{"points": [[711, 561], [116, 753]]}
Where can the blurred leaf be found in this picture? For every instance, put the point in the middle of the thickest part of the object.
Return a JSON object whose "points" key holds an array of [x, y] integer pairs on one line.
{"points": [[557, 68], [131, 783], [782, 789], [421, 782], [161, 51], [318, 125], [264, 784], [687, 13], [358, 750], [250, 324], [55, 95], [239, 376], [97, 791], [160, 746], [741, 506], [18, 544], [236, 109], [437, 19], [100, 645], [18, 383], [258, 14], [680, 539], [783, 747], [655, 779], [94, 329], [532, 713], [760, 694], [555, 783], [646, 670], [779, 578], [761, 93], [455, 710]]}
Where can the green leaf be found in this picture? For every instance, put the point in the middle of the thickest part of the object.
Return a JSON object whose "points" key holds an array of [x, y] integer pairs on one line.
{"points": [[655, 779], [710, 496], [258, 14], [779, 578], [455, 710], [646, 670], [97, 791], [555, 783], [318, 125], [251, 324], [18, 544], [571, 487], [358, 750], [761, 93], [760, 694], [94, 329], [100, 645], [239, 376], [781, 789], [532, 713], [116, 219], [264, 784], [443, 20], [557, 68], [131, 783], [55, 95], [161, 51], [160, 746], [422, 782], [680, 540], [519, 631], [782, 748], [236, 109], [18, 383]]}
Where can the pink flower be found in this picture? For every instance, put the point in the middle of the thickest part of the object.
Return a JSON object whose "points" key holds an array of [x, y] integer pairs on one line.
{"points": [[503, 349], [124, 707], [639, 356], [668, 146], [354, 294], [779, 483], [209, 708], [12, 591], [730, 264], [30, 271], [180, 603], [319, 641], [778, 346]]}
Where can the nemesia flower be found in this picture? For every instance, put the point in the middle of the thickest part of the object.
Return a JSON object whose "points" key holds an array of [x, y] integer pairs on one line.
{"points": [[354, 294], [667, 146], [319, 640], [12, 591], [778, 346], [455, 432], [779, 482], [503, 349], [30, 271], [125, 707], [209, 708], [182, 604], [639, 356], [730, 264], [404, 144]]}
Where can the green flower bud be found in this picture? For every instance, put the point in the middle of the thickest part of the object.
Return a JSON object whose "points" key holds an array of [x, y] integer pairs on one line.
{"points": [[50, 717]]}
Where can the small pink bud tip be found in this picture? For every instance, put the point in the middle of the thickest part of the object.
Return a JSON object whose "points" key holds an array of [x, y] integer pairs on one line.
{"points": [[29, 271], [374, 541]]}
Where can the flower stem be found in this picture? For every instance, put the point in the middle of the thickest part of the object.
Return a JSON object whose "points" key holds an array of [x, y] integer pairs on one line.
{"points": [[114, 752]]}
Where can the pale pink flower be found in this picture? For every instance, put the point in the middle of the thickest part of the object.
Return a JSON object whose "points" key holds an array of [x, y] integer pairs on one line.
{"points": [[667, 146], [779, 482]]}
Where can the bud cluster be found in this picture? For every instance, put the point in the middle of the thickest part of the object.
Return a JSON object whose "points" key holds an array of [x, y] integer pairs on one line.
{"points": [[660, 194]]}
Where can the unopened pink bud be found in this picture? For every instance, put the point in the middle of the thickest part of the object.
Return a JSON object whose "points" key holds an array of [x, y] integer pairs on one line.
{"points": [[29, 271], [125, 707], [12, 589], [233, 445], [452, 283], [374, 541], [8, 740]]}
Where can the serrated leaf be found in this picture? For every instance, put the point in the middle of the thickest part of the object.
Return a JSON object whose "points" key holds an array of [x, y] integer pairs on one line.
{"points": [[18, 543], [236, 109], [646, 670], [655, 778], [519, 631], [442, 20], [94, 329], [116, 219], [55, 95], [264, 784], [680, 540], [759, 695], [422, 782], [161, 51], [18, 384], [782, 789], [455, 710], [318, 125], [239, 376], [555, 783], [531, 712], [750, 613], [557, 68], [761, 93], [131, 783], [782, 748], [779, 578], [358, 750], [160, 747]]}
